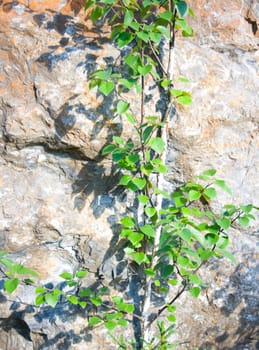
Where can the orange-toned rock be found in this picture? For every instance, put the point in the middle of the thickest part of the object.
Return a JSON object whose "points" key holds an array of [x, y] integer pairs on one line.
{"points": [[59, 208]]}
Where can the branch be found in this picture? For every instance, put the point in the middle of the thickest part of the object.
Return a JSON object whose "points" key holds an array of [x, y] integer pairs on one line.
{"points": [[157, 58]]}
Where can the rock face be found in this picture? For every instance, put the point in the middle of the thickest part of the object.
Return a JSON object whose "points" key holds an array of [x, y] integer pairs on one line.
{"points": [[59, 205]]}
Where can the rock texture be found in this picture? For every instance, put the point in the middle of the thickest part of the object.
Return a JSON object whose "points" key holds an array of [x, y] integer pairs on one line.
{"points": [[58, 205]]}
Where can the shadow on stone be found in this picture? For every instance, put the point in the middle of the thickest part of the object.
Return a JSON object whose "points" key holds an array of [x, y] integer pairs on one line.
{"points": [[239, 297]]}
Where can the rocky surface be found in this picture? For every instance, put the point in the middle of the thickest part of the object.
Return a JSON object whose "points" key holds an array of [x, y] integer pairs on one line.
{"points": [[58, 205]]}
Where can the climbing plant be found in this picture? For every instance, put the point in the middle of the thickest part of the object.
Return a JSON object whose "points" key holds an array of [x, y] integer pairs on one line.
{"points": [[168, 236]]}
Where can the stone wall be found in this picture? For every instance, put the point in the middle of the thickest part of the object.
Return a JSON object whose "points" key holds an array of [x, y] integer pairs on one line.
{"points": [[59, 202]]}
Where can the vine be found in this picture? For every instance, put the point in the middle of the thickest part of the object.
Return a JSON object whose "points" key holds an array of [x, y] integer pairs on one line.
{"points": [[169, 236]]}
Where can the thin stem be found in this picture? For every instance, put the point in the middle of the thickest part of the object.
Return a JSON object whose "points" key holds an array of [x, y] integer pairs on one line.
{"points": [[142, 100], [172, 37], [157, 58], [162, 132], [163, 308]]}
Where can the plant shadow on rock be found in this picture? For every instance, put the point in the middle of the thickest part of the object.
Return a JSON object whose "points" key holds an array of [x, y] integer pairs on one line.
{"points": [[93, 178], [33, 329], [240, 296]]}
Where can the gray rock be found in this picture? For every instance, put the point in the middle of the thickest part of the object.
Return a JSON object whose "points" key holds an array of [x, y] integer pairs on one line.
{"points": [[60, 205]]}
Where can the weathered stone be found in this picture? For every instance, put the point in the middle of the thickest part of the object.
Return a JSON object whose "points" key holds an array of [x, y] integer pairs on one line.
{"points": [[59, 203]]}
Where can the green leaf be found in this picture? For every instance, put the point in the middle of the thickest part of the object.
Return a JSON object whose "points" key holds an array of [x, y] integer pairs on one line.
{"points": [[110, 325], [11, 285], [165, 83], [125, 179], [157, 283], [40, 289], [211, 238], [167, 271], [185, 99], [118, 155], [157, 144], [86, 292], [119, 140], [132, 61], [128, 17], [81, 273], [66, 275], [73, 299], [205, 254], [210, 192], [122, 323], [103, 291], [128, 308], [163, 193], [72, 283], [171, 308], [209, 172], [195, 279], [83, 304], [179, 199], [134, 25], [195, 292], [88, 4], [133, 158], [224, 223], [145, 69], [148, 230], [143, 36], [223, 242], [246, 208], [161, 168], [51, 299], [129, 82], [150, 211], [173, 282], [22, 270], [97, 301], [102, 74], [171, 318], [127, 221], [124, 39], [96, 13], [186, 235], [108, 149], [139, 257], [222, 184], [147, 132], [143, 199], [182, 8], [183, 260], [135, 238], [2, 253], [140, 183], [244, 221], [164, 30], [130, 118], [93, 83], [28, 281], [122, 106], [183, 79], [106, 87], [155, 37], [167, 15], [149, 272], [40, 299], [194, 195], [228, 255], [93, 321]]}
